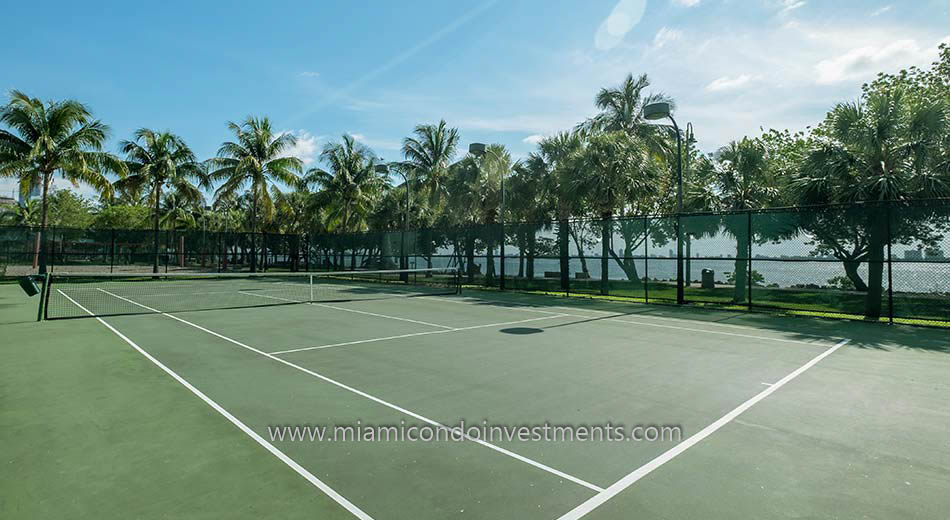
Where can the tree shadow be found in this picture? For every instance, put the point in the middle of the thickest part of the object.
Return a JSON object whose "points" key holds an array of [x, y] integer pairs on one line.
{"points": [[863, 334]]}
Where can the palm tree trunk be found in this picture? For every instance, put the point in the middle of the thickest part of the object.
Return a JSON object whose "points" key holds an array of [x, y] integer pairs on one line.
{"points": [[742, 263], [851, 271], [580, 251], [605, 252], [44, 220], [532, 245], [564, 249], [876, 241]]}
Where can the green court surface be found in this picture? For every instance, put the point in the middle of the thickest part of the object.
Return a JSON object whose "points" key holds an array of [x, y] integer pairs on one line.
{"points": [[170, 415]]}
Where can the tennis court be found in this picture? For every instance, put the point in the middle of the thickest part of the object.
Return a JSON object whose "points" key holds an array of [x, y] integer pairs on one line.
{"points": [[777, 417]]}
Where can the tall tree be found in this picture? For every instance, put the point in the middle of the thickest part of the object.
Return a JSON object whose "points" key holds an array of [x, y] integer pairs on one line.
{"points": [[429, 152], [562, 153], [256, 160], [615, 168], [155, 160], [349, 188], [621, 110], [890, 146], [51, 137], [740, 179]]}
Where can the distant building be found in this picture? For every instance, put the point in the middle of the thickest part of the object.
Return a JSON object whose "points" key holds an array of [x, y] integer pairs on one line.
{"points": [[7, 201], [935, 253], [913, 254]]}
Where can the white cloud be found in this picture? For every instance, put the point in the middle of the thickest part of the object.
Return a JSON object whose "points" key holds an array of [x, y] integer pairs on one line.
{"points": [[686, 3], [624, 16], [879, 12], [306, 148], [666, 35], [309, 74], [727, 83], [790, 5], [864, 62], [533, 139]]}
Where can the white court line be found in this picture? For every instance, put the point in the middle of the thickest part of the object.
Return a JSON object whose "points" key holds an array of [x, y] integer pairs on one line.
{"points": [[371, 397], [426, 333], [351, 310], [528, 308], [319, 484], [622, 484]]}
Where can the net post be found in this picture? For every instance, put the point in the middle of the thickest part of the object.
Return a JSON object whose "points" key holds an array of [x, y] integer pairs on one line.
{"points": [[44, 298], [311, 288]]}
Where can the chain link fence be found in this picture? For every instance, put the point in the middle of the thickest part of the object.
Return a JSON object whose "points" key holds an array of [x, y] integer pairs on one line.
{"points": [[879, 261]]}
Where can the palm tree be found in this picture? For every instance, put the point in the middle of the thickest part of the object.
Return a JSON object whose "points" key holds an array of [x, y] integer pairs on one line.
{"points": [[155, 160], [255, 161], [51, 137], [528, 201], [25, 215], [615, 168], [349, 188], [429, 154], [621, 110], [740, 180], [561, 152], [890, 146], [177, 211]]}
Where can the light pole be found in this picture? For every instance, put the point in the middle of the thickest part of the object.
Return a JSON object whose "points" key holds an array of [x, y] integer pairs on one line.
{"points": [[689, 236], [478, 150], [653, 112], [383, 168]]}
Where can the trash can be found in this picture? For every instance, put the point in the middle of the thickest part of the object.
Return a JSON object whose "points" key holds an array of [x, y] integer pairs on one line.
{"points": [[709, 279]]}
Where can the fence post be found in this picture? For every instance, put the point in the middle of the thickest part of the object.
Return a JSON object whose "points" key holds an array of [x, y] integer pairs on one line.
{"points": [[890, 266], [112, 251], [646, 259], [680, 297], [501, 257], [606, 233], [749, 252]]}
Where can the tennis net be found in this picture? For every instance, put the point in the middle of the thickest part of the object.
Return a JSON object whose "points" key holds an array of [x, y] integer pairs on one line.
{"points": [[86, 295]]}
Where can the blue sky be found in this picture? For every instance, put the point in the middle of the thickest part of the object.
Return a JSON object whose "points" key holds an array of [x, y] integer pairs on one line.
{"points": [[500, 71]]}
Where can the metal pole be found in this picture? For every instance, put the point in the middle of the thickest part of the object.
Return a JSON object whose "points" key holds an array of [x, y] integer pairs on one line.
{"points": [[501, 283], [679, 212], [403, 254]]}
